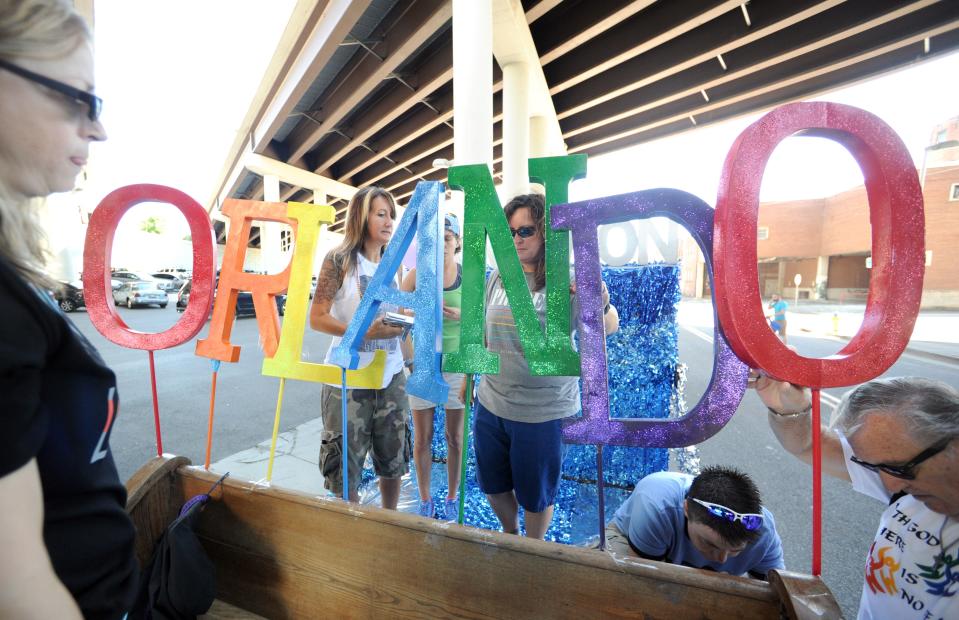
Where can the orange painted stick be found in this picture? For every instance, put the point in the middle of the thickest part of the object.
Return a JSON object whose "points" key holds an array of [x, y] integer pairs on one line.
{"points": [[209, 428]]}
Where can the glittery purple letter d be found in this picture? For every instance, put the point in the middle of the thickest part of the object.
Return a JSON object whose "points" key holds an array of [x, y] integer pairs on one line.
{"points": [[728, 383]]}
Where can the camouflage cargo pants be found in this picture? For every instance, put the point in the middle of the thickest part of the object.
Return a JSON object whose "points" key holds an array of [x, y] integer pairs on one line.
{"points": [[376, 424]]}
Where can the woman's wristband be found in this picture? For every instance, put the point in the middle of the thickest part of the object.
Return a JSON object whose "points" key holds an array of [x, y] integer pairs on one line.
{"points": [[794, 414]]}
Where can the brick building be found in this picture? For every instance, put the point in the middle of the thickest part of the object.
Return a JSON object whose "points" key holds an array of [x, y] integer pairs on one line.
{"points": [[827, 241]]}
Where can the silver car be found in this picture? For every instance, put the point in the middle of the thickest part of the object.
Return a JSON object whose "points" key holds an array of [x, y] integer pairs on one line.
{"points": [[167, 281], [133, 294]]}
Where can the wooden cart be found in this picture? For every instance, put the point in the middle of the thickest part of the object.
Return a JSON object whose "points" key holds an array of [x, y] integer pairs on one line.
{"points": [[285, 554]]}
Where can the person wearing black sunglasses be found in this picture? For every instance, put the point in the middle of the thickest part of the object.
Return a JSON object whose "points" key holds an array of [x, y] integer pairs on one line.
{"points": [[896, 440], [66, 542], [54, 117], [715, 521], [519, 417]]}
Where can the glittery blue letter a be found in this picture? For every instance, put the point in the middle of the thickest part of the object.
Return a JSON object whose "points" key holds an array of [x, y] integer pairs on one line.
{"points": [[422, 218]]}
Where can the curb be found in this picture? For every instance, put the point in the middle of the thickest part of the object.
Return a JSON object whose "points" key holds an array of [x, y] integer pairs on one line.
{"points": [[949, 359]]}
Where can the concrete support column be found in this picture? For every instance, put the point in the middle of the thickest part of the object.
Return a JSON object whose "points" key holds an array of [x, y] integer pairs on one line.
{"points": [[781, 283], [539, 137], [323, 243], [220, 247], [822, 277], [271, 257], [226, 224], [271, 188], [515, 128], [473, 82]]}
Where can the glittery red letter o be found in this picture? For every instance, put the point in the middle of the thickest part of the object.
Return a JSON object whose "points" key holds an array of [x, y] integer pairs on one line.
{"points": [[898, 257], [96, 267]]}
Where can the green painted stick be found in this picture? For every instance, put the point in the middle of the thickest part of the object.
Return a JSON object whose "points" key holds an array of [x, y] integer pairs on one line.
{"points": [[467, 407]]}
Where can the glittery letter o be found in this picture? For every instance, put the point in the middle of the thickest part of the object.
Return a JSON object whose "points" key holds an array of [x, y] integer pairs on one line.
{"points": [[898, 257], [98, 247]]}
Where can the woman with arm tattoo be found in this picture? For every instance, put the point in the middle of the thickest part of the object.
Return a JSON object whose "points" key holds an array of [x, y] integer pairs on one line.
{"points": [[376, 418]]}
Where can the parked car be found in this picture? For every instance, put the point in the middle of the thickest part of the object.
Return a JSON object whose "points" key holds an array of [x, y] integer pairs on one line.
{"points": [[244, 301], [69, 296], [183, 274], [132, 276], [167, 281], [134, 294]]}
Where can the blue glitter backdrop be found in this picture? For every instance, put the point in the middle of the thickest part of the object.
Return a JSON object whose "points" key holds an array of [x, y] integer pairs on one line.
{"points": [[643, 360]]}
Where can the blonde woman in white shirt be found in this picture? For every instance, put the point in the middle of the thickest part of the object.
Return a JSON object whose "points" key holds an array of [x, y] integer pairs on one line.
{"points": [[377, 418]]}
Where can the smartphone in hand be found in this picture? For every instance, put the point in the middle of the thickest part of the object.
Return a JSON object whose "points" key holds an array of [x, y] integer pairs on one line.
{"points": [[398, 320]]}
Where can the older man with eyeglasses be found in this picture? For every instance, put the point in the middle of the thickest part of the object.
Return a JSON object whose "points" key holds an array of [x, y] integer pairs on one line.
{"points": [[714, 521], [895, 440]]}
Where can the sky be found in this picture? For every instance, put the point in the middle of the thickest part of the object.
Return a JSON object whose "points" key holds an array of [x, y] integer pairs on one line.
{"points": [[177, 78]]}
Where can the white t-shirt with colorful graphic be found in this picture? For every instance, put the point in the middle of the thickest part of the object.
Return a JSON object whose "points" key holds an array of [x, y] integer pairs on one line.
{"points": [[912, 570]]}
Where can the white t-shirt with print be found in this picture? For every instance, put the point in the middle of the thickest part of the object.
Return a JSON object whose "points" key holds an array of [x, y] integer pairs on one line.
{"points": [[912, 570], [344, 306]]}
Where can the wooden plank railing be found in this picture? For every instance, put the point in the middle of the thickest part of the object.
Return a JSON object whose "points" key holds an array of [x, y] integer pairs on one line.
{"points": [[285, 554]]}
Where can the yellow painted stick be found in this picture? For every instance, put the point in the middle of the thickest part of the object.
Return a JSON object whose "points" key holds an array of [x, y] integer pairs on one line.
{"points": [[276, 430]]}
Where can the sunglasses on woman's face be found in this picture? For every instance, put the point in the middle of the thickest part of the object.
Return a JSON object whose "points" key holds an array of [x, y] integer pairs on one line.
{"points": [[93, 103], [750, 521], [523, 231]]}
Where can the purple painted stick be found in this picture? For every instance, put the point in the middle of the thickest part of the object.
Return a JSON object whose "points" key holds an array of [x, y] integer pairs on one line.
{"points": [[601, 490]]}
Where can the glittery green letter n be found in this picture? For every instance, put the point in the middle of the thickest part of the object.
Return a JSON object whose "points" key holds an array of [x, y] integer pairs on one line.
{"points": [[549, 355]]}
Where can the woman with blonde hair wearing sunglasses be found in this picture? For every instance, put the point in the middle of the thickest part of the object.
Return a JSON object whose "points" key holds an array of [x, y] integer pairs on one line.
{"points": [[377, 418], [67, 541]]}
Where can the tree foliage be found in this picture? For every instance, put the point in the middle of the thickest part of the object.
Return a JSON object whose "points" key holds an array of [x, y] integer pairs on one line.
{"points": [[152, 224]]}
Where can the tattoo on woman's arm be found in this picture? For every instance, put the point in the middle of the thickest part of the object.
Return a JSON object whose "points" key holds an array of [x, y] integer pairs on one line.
{"points": [[329, 280]]}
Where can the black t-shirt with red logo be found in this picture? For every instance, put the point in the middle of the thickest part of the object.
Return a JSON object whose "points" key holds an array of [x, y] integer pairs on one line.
{"points": [[58, 403]]}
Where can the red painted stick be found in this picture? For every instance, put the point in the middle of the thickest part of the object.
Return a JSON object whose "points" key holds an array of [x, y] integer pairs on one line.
{"points": [[156, 404], [816, 487]]}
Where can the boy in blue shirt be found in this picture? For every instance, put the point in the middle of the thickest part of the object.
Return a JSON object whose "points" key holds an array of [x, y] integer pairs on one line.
{"points": [[714, 521], [778, 306]]}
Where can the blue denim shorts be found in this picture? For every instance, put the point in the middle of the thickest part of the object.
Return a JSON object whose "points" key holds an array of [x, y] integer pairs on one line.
{"points": [[518, 456]]}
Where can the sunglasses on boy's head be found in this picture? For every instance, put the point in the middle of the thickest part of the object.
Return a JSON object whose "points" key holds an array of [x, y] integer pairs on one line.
{"points": [[906, 471], [94, 104], [750, 521], [523, 231]]}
